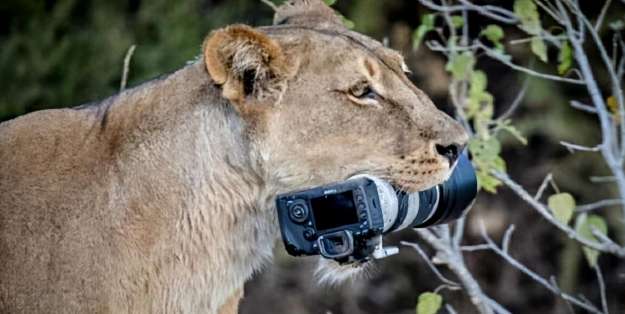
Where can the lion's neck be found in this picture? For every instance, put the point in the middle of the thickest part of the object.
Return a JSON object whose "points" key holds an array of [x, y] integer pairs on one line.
{"points": [[185, 161]]}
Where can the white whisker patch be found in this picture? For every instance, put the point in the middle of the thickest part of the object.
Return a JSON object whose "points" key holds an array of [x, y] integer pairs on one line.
{"points": [[331, 273]]}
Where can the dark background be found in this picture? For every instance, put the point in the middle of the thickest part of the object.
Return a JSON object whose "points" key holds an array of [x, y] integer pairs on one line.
{"points": [[67, 52]]}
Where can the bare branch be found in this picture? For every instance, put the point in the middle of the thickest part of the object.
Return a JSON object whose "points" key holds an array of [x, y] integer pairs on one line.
{"points": [[614, 159], [573, 147], [429, 263], [604, 301], [578, 105], [505, 243], [473, 248], [602, 15], [450, 309], [602, 179], [124, 80], [270, 4], [454, 261], [548, 178], [537, 278], [598, 205], [493, 12], [497, 56], [606, 247], [516, 103]]}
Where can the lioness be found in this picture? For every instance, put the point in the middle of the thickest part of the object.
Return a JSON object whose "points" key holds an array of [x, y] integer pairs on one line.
{"points": [[160, 199]]}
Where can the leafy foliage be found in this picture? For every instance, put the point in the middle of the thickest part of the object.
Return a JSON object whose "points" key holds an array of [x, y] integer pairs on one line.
{"points": [[565, 58], [427, 25], [494, 33], [585, 225], [429, 303], [562, 206], [68, 52]]}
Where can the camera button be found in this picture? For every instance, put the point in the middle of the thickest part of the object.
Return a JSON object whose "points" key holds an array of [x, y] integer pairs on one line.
{"points": [[298, 212], [309, 234]]}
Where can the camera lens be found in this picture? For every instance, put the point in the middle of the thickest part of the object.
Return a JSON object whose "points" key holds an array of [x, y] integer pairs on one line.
{"points": [[442, 203], [298, 212]]}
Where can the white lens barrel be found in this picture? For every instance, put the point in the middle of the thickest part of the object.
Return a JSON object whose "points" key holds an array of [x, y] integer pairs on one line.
{"points": [[388, 199], [411, 211]]}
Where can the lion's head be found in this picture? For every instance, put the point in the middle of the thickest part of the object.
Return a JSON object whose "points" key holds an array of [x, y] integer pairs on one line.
{"points": [[323, 103]]}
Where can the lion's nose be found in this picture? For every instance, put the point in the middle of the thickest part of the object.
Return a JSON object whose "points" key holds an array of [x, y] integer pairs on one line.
{"points": [[450, 152]]}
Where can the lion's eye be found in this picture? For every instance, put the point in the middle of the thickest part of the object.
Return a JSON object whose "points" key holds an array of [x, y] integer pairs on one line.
{"points": [[364, 92], [368, 93], [364, 95]]}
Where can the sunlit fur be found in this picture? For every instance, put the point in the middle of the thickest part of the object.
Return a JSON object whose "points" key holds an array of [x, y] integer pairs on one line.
{"points": [[161, 199]]}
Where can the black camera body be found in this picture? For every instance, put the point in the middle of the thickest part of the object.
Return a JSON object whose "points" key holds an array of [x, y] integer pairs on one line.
{"points": [[334, 221], [345, 221]]}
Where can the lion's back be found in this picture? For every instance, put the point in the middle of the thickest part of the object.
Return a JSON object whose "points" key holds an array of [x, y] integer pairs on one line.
{"points": [[45, 167]]}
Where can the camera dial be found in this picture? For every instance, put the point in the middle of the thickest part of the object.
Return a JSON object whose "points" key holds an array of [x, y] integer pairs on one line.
{"points": [[298, 211]]}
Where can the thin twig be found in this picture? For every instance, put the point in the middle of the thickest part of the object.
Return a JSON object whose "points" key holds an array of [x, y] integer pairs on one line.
{"points": [[474, 248], [455, 263], [602, 179], [549, 10], [493, 12], [537, 278], [429, 263], [612, 158], [602, 15], [578, 105], [516, 103], [606, 247], [124, 81], [497, 56], [543, 186], [604, 300], [270, 4], [597, 205], [573, 147], [450, 309]]}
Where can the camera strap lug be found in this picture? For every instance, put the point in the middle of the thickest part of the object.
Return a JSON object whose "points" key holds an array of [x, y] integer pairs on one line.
{"points": [[382, 251]]}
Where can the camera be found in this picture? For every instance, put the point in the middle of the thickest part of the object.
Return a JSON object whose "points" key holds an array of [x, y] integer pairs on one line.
{"points": [[345, 221]]}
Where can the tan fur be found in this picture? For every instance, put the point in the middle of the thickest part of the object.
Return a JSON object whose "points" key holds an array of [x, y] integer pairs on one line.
{"points": [[161, 199]]}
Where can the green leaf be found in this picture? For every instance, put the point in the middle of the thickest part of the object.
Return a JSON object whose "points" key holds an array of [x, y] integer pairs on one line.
{"points": [[486, 159], [494, 34], [565, 58], [617, 25], [330, 2], [417, 36], [486, 149], [460, 65], [506, 126], [457, 21], [428, 20], [429, 303], [479, 80], [562, 206], [527, 12], [584, 226], [487, 182], [539, 48], [427, 25]]}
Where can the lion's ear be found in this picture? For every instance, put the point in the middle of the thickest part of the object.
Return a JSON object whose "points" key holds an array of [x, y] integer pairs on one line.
{"points": [[247, 64]]}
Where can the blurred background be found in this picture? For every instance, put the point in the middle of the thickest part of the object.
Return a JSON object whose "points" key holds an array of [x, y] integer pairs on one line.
{"points": [[67, 52]]}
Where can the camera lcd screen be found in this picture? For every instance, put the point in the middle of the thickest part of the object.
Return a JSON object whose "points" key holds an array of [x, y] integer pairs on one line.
{"points": [[335, 210]]}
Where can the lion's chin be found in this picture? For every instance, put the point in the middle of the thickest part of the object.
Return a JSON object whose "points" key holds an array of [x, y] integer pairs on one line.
{"points": [[331, 273]]}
